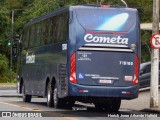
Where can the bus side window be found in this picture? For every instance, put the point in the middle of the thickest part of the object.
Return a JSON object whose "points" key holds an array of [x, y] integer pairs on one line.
{"points": [[52, 29], [65, 27], [42, 33], [38, 32], [59, 28], [31, 37], [35, 36], [46, 32], [55, 28], [25, 38], [49, 26]]}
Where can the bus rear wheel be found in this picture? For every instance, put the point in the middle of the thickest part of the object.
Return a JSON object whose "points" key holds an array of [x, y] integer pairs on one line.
{"points": [[26, 98], [58, 102]]}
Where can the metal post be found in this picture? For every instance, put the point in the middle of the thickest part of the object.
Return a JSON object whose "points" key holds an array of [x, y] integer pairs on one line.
{"points": [[12, 29], [155, 59], [12, 40]]}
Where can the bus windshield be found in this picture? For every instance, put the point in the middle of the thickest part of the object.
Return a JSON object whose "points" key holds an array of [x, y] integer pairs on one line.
{"points": [[102, 20]]}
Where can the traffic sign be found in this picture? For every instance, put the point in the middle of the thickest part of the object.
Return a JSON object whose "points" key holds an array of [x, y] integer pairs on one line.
{"points": [[155, 41]]}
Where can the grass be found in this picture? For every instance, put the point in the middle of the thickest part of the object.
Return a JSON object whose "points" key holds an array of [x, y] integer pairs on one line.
{"points": [[13, 82], [7, 83]]}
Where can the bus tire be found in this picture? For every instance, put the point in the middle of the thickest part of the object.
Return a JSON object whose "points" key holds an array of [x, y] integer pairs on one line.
{"points": [[26, 98], [49, 95], [58, 102]]}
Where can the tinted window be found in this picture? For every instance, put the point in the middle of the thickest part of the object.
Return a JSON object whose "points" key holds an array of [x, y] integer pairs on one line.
{"points": [[25, 38], [108, 20], [34, 41], [51, 30], [59, 30], [39, 32]]}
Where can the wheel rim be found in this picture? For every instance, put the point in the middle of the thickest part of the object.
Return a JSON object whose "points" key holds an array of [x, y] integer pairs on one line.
{"points": [[48, 95], [55, 96]]}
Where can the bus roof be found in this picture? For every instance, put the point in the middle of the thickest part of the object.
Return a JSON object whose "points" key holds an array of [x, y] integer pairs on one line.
{"points": [[67, 8], [47, 15]]}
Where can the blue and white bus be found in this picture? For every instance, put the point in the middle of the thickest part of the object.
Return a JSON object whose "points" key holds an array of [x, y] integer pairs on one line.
{"points": [[81, 53]]}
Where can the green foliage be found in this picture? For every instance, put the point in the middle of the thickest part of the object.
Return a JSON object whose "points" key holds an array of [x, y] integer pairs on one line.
{"points": [[145, 45], [4, 70], [13, 4], [4, 23], [37, 8]]}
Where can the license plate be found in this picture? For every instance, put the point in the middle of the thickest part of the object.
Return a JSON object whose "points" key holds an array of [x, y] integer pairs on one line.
{"points": [[105, 81]]}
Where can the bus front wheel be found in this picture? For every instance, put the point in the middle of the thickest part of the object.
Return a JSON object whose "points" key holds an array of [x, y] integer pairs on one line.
{"points": [[26, 98]]}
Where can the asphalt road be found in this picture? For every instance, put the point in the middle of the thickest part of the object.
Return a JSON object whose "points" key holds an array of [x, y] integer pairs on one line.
{"points": [[39, 108]]}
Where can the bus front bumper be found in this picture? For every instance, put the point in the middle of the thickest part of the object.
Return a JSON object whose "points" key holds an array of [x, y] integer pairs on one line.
{"points": [[77, 90]]}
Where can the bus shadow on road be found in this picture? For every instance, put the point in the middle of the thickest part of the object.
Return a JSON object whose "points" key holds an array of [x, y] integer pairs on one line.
{"points": [[79, 110], [75, 111]]}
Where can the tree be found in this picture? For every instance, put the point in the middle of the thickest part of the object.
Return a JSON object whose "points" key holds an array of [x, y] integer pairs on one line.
{"points": [[5, 31], [4, 69], [4, 24], [36, 8], [17, 4]]}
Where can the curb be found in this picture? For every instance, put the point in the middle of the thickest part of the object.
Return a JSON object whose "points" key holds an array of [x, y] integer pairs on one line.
{"points": [[145, 89], [10, 95], [1, 84], [151, 110]]}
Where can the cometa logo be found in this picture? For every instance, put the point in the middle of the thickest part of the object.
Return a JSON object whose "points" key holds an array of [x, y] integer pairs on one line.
{"points": [[110, 40]]}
